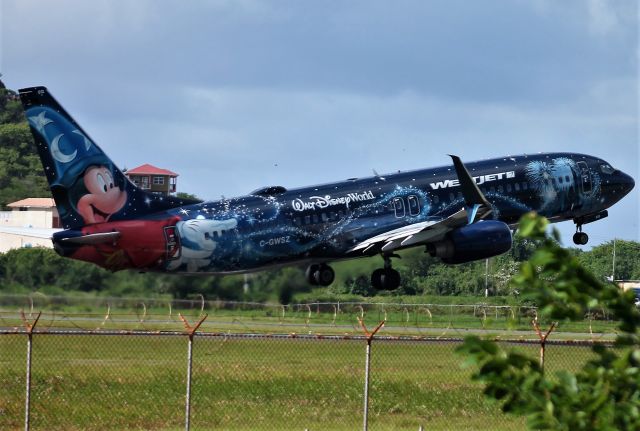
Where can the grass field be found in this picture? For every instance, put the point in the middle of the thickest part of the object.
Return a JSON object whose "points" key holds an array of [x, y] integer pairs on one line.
{"points": [[97, 382]]}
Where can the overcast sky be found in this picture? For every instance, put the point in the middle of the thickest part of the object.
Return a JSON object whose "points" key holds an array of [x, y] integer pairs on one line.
{"points": [[234, 95]]}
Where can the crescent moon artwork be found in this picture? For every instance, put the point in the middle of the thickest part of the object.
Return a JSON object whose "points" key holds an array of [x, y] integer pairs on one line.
{"points": [[87, 142], [59, 155]]}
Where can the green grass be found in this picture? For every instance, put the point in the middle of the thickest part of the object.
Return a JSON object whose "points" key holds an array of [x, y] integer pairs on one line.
{"points": [[97, 382]]}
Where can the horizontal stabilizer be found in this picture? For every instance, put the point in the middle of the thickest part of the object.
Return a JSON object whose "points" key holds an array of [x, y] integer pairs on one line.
{"points": [[94, 238]]}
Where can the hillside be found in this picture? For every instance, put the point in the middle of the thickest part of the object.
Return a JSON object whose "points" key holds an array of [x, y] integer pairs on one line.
{"points": [[21, 174]]}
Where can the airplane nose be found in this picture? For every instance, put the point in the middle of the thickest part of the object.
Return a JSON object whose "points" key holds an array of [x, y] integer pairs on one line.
{"points": [[627, 182]]}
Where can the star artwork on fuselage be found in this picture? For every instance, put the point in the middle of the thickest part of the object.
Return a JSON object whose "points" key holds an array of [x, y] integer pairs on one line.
{"points": [[184, 211]]}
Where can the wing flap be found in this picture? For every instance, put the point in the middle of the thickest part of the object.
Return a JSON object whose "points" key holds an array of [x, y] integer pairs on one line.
{"points": [[413, 234]]}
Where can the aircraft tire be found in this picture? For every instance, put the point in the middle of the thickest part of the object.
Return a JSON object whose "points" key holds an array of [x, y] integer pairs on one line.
{"points": [[391, 279], [580, 238], [310, 274], [376, 278], [385, 279], [324, 275]]}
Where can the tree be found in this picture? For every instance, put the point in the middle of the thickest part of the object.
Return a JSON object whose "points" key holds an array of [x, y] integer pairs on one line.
{"points": [[600, 260], [605, 393], [21, 173], [187, 196]]}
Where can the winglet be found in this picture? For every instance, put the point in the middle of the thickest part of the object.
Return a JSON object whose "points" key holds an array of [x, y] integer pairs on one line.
{"points": [[473, 197]]}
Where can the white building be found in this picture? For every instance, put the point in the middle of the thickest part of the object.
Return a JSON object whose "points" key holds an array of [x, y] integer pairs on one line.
{"points": [[28, 224]]}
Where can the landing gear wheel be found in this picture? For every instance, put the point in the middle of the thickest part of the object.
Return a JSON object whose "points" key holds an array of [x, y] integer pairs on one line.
{"points": [[580, 238], [385, 279], [376, 279], [310, 274], [324, 275], [320, 275]]}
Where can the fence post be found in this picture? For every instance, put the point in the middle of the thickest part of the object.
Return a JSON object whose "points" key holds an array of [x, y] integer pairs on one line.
{"points": [[191, 330], [369, 335], [543, 338], [27, 403]]}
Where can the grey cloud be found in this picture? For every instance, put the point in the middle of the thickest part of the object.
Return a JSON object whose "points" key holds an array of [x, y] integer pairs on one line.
{"points": [[223, 91]]}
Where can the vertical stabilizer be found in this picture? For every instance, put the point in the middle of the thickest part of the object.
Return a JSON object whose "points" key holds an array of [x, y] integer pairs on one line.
{"points": [[86, 185]]}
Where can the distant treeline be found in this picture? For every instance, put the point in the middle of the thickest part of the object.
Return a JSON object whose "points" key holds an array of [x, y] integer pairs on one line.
{"points": [[27, 270], [21, 173]]}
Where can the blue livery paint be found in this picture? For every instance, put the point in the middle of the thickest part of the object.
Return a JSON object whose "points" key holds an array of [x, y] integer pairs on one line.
{"points": [[317, 224]]}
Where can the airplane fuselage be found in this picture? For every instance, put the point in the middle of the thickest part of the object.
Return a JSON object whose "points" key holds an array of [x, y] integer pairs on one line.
{"points": [[274, 226], [460, 213]]}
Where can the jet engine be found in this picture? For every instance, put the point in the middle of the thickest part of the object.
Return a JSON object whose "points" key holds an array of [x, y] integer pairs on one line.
{"points": [[473, 242]]}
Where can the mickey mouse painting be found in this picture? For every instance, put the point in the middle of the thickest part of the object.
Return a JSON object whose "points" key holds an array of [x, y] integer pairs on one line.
{"points": [[83, 180], [103, 198]]}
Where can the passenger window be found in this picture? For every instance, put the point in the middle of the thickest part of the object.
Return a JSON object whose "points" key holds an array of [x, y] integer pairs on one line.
{"points": [[500, 189], [315, 218], [324, 217], [307, 219], [525, 186], [516, 186], [508, 188], [436, 199], [566, 178], [452, 197], [398, 205], [414, 205], [560, 180], [492, 189]]}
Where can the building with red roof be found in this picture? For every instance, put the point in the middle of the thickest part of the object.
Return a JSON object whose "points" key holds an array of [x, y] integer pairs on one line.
{"points": [[154, 179]]}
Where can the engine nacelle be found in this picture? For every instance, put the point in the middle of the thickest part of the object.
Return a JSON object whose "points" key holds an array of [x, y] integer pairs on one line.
{"points": [[476, 241]]}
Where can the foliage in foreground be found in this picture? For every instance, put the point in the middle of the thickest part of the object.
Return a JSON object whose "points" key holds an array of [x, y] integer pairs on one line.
{"points": [[605, 393]]}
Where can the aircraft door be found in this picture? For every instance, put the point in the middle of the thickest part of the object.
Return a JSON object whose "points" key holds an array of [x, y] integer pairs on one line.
{"points": [[585, 177], [172, 242]]}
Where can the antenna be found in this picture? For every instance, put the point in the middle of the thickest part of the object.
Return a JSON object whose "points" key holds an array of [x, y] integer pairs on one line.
{"points": [[613, 270], [378, 175]]}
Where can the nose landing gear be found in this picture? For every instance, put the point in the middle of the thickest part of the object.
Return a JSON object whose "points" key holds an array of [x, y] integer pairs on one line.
{"points": [[386, 278], [580, 238]]}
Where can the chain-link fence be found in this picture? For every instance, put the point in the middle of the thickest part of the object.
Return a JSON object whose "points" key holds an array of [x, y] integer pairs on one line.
{"points": [[327, 317], [99, 380]]}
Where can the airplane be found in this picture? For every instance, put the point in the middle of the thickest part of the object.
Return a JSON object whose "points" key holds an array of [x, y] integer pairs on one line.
{"points": [[459, 213]]}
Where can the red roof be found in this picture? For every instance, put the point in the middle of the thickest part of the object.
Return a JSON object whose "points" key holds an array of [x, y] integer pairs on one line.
{"points": [[33, 202], [148, 169]]}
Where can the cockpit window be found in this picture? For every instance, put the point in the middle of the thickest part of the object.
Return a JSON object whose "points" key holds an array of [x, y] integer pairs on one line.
{"points": [[607, 169]]}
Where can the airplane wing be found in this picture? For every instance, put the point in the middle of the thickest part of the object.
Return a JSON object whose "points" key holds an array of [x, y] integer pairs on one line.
{"points": [[476, 208]]}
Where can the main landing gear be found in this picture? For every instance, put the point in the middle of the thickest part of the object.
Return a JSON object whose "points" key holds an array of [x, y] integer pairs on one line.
{"points": [[580, 238], [320, 274], [386, 278]]}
